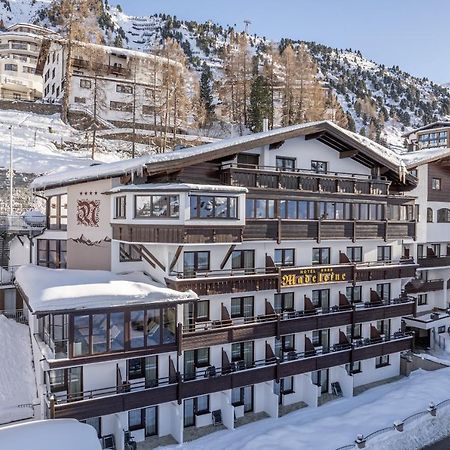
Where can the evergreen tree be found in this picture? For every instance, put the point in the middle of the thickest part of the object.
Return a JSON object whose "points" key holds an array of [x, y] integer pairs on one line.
{"points": [[260, 103], [206, 93]]}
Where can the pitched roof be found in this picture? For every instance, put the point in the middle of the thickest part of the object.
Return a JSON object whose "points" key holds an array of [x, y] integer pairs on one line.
{"points": [[362, 150], [437, 124]]}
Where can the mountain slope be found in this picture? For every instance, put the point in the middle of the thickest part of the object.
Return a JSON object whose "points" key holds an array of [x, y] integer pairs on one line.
{"points": [[382, 102]]}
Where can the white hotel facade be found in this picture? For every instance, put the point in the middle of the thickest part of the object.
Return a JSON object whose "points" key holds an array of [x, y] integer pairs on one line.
{"points": [[278, 272]]}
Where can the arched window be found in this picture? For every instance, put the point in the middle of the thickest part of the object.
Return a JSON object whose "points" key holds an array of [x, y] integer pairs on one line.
{"points": [[429, 215], [443, 215]]}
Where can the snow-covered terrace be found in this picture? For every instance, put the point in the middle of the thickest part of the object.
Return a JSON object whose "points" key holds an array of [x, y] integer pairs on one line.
{"points": [[67, 289]]}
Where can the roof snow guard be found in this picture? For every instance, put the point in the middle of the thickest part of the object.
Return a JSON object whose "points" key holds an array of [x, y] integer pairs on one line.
{"points": [[352, 145]]}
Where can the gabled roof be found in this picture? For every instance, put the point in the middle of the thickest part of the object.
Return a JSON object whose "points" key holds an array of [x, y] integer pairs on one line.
{"points": [[357, 147], [430, 126], [425, 156]]}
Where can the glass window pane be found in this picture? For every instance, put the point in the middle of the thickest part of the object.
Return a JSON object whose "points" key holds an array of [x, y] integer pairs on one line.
{"points": [[143, 206], [99, 333], [81, 335], [160, 206], [151, 421], [206, 206], [169, 325], [153, 327], [117, 331], [137, 329], [221, 207]]}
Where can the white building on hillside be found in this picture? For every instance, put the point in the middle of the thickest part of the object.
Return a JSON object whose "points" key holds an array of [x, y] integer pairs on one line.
{"points": [[118, 84], [19, 50]]}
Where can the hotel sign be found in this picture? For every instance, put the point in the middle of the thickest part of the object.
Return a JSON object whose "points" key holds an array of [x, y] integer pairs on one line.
{"points": [[313, 275]]}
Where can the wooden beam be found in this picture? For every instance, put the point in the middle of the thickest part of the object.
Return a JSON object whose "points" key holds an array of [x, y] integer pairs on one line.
{"points": [[348, 154], [311, 136], [175, 258], [150, 255], [227, 256]]}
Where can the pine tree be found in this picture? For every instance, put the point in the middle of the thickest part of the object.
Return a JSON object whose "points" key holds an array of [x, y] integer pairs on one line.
{"points": [[206, 94], [260, 103]]}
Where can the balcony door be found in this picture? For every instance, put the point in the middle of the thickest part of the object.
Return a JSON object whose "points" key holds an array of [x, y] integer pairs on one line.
{"points": [[320, 378]]}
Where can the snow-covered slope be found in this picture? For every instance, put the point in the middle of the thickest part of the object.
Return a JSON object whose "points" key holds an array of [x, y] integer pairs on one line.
{"points": [[17, 382]]}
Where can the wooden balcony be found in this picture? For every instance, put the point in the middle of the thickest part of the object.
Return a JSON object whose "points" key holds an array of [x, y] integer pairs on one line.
{"points": [[283, 229], [264, 177], [177, 234], [416, 286], [275, 279], [238, 330], [115, 399], [434, 261]]}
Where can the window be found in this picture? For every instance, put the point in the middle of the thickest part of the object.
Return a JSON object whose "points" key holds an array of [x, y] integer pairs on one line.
{"points": [[68, 381], [194, 407], [287, 385], [284, 345], [195, 262], [319, 166], [120, 106], [99, 331], [196, 312], [384, 253], [430, 215], [86, 84], [124, 89], [202, 310], [57, 212], [381, 361], [147, 368], [283, 163], [441, 329], [243, 352], [11, 67], [242, 307], [243, 259], [156, 206], [284, 302], [52, 253], [26, 69], [136, 419], [148, 110], [354, 294], [436, 184], [209, 207], [353, 368], [443, 215], [422, 299], [321, 298], [284, 257], [435, 139], [194, 359], [384, 291], [384, 327], [259, 209], [354, 254], [120, 209], [129, 252], [80, 100], [321, 255], [354, 332], [243, 396], [248, 160], [321, 338]]}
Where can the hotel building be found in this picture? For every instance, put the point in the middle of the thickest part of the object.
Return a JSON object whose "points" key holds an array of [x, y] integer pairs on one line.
{"points": [[222, 283]]}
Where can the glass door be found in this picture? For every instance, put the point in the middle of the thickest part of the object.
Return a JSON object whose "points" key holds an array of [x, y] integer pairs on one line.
{"points": [[75, 383], [151, 421], [189, 417], [151, 371]]}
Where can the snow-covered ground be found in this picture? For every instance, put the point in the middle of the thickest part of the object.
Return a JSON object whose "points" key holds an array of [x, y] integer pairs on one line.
{"points": [[339, 422], [17, 381]]}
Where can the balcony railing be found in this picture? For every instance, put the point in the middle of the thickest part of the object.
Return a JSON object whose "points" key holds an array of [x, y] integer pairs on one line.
{"points": [[434, 261], [289, 315], [7, 275], [17, 315], [248, 372], [12, 224], [417, 285], [269, 177]]}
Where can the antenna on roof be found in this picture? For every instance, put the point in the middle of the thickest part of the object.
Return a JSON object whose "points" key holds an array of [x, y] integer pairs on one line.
{"points": [[247, 24]]}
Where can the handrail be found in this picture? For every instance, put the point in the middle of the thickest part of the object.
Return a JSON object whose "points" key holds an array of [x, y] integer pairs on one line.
{"points": [[328, 174], [206, 372], [274, 270], [289, 315]]}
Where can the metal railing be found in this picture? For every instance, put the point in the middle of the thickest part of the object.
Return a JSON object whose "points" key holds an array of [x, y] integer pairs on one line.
{"points": [[399, 425], [17, 315], [16, 223], [213, 371]]}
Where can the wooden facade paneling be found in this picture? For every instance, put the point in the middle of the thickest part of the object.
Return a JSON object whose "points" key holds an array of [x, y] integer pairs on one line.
{"points": [[416, 286], [174, 234], [435, 170], [434, 261]]}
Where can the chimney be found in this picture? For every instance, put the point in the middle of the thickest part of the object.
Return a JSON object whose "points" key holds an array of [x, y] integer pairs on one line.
{"points": [[265, 124]]}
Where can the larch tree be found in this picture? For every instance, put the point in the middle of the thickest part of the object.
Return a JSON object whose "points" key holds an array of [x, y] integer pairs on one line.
{"points": [[260, 103]]}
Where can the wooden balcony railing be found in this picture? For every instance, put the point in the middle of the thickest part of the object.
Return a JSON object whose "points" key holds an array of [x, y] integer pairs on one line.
{"points": [[318, 230], [267, 177], [415, 286], [124, 398], [434, 261], [271, 278]]}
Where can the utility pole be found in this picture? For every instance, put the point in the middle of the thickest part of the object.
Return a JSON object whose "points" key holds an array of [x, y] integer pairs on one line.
{"points": [[94, 124], [11, 173], [247, 24], [133, 147]]}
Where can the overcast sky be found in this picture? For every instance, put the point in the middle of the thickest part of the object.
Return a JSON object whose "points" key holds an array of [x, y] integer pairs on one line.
{"points": [[413, 34]]}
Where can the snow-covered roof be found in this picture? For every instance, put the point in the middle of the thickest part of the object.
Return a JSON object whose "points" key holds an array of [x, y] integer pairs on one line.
{"points": [[177, 187], [69, 289], [424, 156], [52, 434], [159, 161], [432, 125]]}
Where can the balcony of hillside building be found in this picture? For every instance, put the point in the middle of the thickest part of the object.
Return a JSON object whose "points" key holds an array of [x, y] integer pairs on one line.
{"points": [[284, 320], [30, 223], [237, 370], [272, 277], [100, 68], [291, 178], [433, 255], [428, 320], [419, 285]]}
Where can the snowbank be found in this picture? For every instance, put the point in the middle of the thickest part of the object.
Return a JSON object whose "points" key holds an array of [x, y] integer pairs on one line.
{"points": [[17, 382], [337, 423], [55, 289], [67, 434], [177, 187]]}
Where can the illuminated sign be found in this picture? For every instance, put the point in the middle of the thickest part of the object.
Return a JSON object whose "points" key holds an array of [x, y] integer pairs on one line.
{"points": [[314, 276]]}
